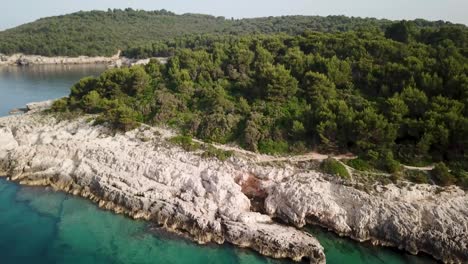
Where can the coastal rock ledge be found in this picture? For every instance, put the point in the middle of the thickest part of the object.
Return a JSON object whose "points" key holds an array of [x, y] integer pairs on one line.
{"points": [[141, 174]]}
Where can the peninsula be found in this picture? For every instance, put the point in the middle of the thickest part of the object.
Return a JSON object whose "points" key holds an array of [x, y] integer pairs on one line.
{"points": [[143, 174], [220, 140]]}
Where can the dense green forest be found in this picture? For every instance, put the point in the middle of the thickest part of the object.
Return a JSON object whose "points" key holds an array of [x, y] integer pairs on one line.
{"points": [[389, 97], [103, 33]]}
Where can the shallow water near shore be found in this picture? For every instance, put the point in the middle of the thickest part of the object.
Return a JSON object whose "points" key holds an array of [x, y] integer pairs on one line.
{"points": [[38, 225]]}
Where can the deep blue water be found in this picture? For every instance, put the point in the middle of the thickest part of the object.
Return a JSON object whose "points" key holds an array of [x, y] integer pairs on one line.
{"points": [[38, 225]]}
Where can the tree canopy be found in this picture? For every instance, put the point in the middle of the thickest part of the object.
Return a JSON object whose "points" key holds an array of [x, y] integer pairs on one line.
{"points": [[387, 101], [105, 32]]}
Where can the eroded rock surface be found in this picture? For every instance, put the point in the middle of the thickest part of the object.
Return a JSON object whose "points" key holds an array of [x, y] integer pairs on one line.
{"points": [[139, 173], [418, 218]]}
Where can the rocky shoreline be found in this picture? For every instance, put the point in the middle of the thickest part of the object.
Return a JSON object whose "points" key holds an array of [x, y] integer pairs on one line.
{"points": [[24, 60], [114, 61], [141, 174]]}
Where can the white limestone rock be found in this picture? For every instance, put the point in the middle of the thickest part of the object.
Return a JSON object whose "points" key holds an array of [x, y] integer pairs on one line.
{"points": [[416, 219], [213, 201], [148, 179], [23, 60]]}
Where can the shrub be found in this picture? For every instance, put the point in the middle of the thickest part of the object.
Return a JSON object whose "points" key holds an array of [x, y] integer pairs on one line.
{"points": [[297, 129], [122, 118], [217, 127], [441, 175], [359, 164], [185, 142], [92, 102], [211, 151], [273, 147], [416, 176], [334, 167], [458, 170], [396, 177], [389, 164], [299, 147], [462, 177], [382, 160], [59, 105]]}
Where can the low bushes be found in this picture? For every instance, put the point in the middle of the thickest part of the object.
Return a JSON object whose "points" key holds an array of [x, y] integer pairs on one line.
{"points": [[416, 176], [360, 164], [334, 167], [273, 147], [212, 152], [185, 142], [441, 175]]}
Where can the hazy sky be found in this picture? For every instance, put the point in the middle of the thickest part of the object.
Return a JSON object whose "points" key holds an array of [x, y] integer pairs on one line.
{"points": [[16, 12]]}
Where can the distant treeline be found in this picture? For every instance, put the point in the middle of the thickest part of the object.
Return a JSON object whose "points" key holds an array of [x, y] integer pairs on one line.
{"points": [[103, 33], [402, 31]]}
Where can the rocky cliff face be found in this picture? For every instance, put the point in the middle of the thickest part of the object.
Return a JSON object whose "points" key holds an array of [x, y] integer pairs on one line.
{"points": [[140, 174], [418, 218]]}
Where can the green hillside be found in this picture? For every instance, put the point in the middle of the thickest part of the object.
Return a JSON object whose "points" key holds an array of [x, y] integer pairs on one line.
{"points": [[103, 33], [386, 101]]}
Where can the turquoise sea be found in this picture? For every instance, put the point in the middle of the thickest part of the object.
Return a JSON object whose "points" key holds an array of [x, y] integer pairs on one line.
{"points": [[38, 225]]}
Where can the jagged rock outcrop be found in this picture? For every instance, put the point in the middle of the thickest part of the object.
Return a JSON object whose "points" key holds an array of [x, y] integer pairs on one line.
{"points": [[417, 218], [140, 174], [33, 106]]}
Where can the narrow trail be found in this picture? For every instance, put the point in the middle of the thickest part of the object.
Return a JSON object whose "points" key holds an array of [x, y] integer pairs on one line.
{"points": [[311, 156], [262, 158], [427, 168]]}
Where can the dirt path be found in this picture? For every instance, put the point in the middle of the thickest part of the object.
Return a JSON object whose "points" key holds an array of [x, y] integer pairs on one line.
{"points": [[303, 157], [427, 168], [262, 158]]}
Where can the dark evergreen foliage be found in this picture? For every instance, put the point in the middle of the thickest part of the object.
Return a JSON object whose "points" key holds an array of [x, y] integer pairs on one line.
{"points": [[104, 33], [361, 91]]}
